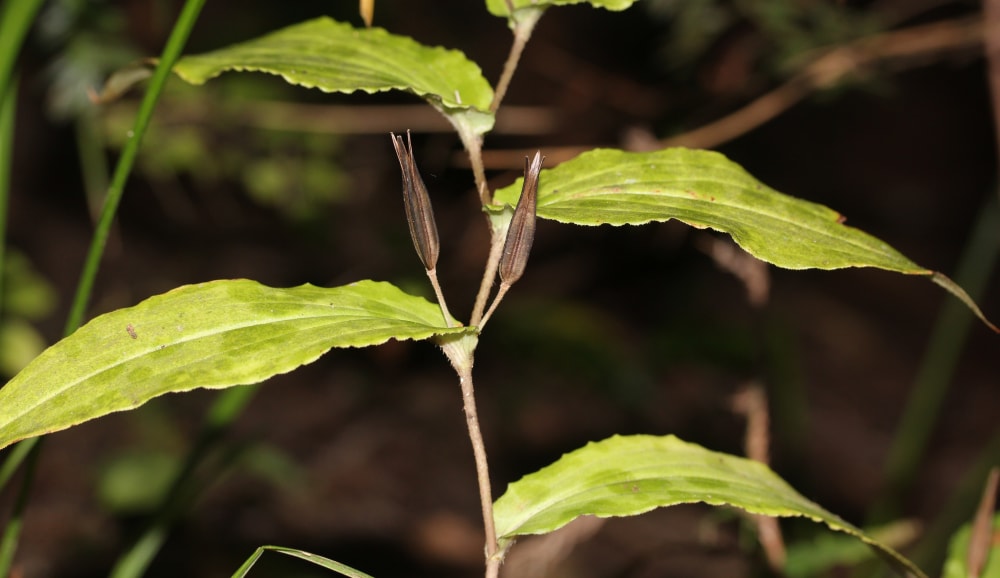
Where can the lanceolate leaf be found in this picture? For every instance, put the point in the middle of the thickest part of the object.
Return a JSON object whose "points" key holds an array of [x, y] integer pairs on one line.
{"points": [[342, 569], [629, 475], [336, 57], [211, 335], [500, 7], [706, 190]]}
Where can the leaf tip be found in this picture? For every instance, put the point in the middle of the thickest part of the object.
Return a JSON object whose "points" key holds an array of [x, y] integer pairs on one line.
{"points": [[955, 289]]}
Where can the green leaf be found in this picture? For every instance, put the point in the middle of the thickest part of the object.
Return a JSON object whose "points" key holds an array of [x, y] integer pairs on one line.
{"points": [[500, 7], [630, 475], [212, 335], [337, 567], [958, 553], [336, 57], [706, 190]]}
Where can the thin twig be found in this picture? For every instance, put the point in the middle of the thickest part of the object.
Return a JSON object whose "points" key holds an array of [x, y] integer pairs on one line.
{"points": [[489, 275], [902, 49], [991, 48], [460, 352], [522, 33], [432, 275], [493, 306], [904, 46], [981, 538], [752, 402], [342, 119]]}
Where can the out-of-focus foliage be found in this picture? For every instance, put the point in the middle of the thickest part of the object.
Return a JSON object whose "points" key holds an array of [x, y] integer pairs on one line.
{"points": [[956, 566], [88, 43], [295, 173], [783, 29], [27, 297]]}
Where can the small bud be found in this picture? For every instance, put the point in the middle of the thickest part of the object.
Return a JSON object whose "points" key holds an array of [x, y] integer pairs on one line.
{"points": [[419, 213], [521, 233]]}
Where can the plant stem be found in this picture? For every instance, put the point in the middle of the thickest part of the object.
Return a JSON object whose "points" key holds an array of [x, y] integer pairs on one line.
{"points": [[523, 28], [473, 144], [7, 106], [482, 465], [16, 17], [460, 352], [489, 275], [432, 275], [493, 306], [929, 552], [175, 44], [25, 10]]}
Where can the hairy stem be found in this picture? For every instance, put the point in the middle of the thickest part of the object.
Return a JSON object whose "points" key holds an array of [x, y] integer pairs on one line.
{"points": [[432, 275], [523, 28], [482, 465], [473, 144], [460, 353], [489, 275], [504, 287]]}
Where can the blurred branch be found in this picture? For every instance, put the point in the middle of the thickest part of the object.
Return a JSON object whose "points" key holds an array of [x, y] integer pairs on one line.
{"points": [[981, 537], [749, 270], [353, 119], [896, 50], [991, 49], [540, 556], [751, 401]]}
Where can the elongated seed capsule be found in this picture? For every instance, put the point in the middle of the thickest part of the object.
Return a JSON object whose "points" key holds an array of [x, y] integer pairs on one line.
{"points": [[419, 213], [521, 233]]}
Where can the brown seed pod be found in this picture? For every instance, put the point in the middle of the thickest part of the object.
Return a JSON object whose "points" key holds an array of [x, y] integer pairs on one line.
{"points": [[521, 233], [419, 213]]}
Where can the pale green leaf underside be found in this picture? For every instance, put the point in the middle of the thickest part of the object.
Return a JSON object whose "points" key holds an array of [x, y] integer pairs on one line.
{"points": [[500, 8], [630, 475], [336, 57], [705, 189], [211, 335]]}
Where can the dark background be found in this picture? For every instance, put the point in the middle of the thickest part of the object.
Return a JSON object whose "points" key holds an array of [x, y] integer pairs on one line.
{"points": [[362, 456]]}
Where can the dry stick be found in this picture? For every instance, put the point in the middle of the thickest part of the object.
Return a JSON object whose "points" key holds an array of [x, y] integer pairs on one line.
{"points": [[346, 119], [905, 48], [991, 18], [982, 528], [752, 402], [981, 538]]}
